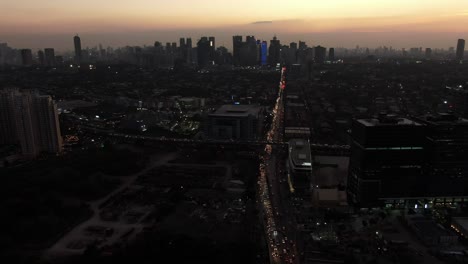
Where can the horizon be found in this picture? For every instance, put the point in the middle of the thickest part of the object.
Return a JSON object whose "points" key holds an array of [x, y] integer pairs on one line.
{"points": [[338, 23]]}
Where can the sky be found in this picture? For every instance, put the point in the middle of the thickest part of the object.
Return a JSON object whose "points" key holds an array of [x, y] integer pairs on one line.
{"points": [[338, 23]]}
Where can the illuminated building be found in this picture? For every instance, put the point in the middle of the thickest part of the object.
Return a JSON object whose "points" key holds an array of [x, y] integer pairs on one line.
{"points": [[263, 53], [77, 42], [30, 120], [300, 164], [239, 122], [460, 49]]}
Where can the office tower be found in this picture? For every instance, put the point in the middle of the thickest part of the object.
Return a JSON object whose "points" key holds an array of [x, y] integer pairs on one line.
{"points": [[302, 45], [189, 51], [212, 48], [77, 42], [460, 49], [203, 52], [274, 52], [41, 57], [240, 122], [263, 53], [331, 54], [446, 171], [49, 57], [236, 49], [31, 120], [320, 54], [26, 57], [182, 43], [387, 155], [428, 54]]}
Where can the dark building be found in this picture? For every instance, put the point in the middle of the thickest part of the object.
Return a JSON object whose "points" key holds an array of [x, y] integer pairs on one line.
{"points": [[239, 122], [236, 49], [77, 42], [404, 162], [41, 58], [331, 54], [446, 157], [274, 52], [428, 53], [387, 156], [320, 54], [26, 57], [49, 57], [460, 49], [206, 51]]}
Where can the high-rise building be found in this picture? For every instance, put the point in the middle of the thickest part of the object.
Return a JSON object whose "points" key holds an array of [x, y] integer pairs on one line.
{"points": [[263, 53], [320, 54], [460, 49], [49, 57], [41, 57], [236, 49], [428, 53], [206, 51], [26, 57], [77, 42], [274, 52], [30, 120], [331, 54]]}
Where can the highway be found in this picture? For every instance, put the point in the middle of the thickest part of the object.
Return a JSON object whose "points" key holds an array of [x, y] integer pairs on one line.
{"points": [[282, 248]]}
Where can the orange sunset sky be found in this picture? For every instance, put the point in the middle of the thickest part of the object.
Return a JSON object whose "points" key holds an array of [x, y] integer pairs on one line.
{"points": [[345, 23]]}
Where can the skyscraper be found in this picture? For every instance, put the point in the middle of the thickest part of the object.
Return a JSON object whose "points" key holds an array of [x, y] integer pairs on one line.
{"points": [[460, 49], [77, 42], [26, 57], [49, 57], [331, 54], [236, 49], [41, 58], [203, 52], [274, 52], [320, 54], [30, 120]]}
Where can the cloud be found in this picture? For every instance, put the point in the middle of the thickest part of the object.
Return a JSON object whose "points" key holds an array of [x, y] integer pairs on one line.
{"points": [[261, 22]]}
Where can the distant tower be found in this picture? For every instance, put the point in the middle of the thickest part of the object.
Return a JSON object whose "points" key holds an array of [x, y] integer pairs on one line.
{"points": [[49, 57], [331, 54], [460, 49], [40, 56], [26, 57], [236, 49], [77, 42]]}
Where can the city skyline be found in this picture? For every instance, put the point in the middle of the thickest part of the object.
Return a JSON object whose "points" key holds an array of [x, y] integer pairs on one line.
{"points": [[336, 23]]}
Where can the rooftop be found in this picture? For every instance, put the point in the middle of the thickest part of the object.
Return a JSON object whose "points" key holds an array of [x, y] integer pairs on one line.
{"points": [[299, 152], [237, 110], [373, 122]]}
